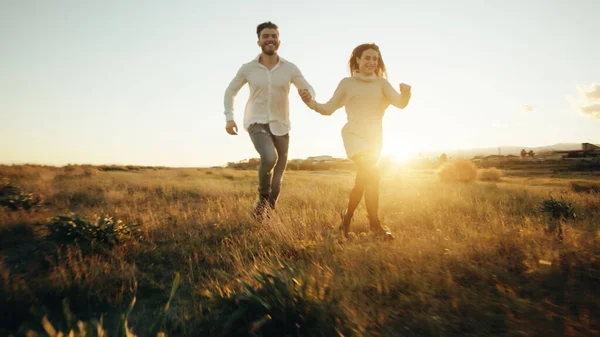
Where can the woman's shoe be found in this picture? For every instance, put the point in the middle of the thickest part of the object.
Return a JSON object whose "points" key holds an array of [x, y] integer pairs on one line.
{"points": [[260, 208], [382, 231]]}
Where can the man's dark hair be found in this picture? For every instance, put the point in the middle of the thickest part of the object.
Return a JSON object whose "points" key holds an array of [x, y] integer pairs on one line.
{"points": [[265, 25]]}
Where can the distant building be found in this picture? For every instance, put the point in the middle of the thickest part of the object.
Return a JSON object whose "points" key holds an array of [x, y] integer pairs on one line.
{"points": [[320, 158], [587, 151], [498, 157]]}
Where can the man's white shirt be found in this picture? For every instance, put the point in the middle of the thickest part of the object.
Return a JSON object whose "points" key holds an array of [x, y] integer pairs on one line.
{"points": [[268, 102]]}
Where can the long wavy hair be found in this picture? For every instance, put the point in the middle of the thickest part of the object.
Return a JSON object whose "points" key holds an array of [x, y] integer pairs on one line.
{"points": [[357, 53]]}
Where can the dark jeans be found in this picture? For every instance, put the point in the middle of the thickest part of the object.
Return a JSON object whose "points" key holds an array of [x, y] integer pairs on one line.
{"points": [[273, 151]]}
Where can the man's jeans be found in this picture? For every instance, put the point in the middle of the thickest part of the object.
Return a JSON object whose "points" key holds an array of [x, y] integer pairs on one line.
{"points": [[273, 151]]}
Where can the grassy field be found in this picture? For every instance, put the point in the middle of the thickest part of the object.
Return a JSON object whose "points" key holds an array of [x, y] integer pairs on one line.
{"points": [[469, 259]]}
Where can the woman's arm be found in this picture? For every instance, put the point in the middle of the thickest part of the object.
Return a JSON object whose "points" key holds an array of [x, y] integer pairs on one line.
{"points": [[399, 100], [336, 101]]}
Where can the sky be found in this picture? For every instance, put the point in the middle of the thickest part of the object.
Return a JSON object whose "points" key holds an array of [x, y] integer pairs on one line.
{"points": [[142, 82]]}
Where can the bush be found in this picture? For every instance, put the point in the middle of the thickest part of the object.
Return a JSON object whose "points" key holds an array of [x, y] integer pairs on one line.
{"points": [[14, 199], [459, 170], [112, 168], [280, 305], [69, 168], [69, 229], [558, 209], [491, 174]]}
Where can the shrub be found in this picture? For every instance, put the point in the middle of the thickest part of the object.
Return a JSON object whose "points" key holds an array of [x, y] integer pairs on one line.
{"points": [[69, 229], [491, 174], [279, 305], [14, 199], [459, 170], [69, 168], [558, 209], [112, 168]]}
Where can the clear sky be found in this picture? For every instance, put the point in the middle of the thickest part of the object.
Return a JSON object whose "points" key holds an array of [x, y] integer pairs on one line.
{"points": [[142, 82]]}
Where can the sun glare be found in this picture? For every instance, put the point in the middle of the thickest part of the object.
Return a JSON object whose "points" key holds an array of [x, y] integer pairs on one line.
{"points": [[402, 157], [400, 153]]}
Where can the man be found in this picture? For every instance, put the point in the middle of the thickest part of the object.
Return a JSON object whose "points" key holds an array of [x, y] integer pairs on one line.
{"points": [[266, 117]]}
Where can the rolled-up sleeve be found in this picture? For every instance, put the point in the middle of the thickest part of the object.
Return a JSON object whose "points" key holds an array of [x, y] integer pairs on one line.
{"points": [[232, 89], [300, 82]]}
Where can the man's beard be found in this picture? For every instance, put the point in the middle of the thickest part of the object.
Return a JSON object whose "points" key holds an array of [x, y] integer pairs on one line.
{"points": [[269, 52]]}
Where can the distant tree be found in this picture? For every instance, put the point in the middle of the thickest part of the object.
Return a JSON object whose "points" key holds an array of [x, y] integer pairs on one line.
{"points": [[531, 153], [443, 158], [523, 153]]}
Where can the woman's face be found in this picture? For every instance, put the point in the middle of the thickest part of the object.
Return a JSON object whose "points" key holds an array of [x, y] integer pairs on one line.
{"points": [[367, 62]]}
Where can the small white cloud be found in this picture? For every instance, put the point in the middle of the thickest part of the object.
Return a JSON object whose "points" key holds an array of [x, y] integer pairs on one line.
{"points": [[593, 91], [593, 110], [526, 108], [588, 99]]}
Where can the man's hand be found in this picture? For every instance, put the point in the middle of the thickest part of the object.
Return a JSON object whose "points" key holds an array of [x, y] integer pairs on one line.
{"points": [[231, 127], [404, 88], [305, 95]]}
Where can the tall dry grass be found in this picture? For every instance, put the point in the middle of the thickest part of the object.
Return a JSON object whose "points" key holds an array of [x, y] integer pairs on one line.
{"points": [[468, 259]]}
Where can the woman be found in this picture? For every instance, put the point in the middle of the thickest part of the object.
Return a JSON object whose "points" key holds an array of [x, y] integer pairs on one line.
{"points": [[366, 94]]}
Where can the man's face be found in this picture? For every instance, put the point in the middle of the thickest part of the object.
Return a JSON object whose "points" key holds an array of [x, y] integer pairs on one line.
{"points": [[269, 41]]}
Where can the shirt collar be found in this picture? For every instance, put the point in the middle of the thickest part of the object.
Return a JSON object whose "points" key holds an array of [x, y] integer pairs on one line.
{"points": [[281, 59]]}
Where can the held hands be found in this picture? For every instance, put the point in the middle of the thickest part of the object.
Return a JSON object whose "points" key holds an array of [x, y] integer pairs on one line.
{"points": [[231, 127], [305, 95], [307, 98], [404, 88]]}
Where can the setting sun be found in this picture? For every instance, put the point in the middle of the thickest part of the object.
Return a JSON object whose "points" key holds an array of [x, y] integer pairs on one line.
{"points": [[400, 152]]}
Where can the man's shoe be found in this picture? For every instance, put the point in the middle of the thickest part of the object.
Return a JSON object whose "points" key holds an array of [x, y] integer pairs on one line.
{"points": [[260, 208], [272, 203]]}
